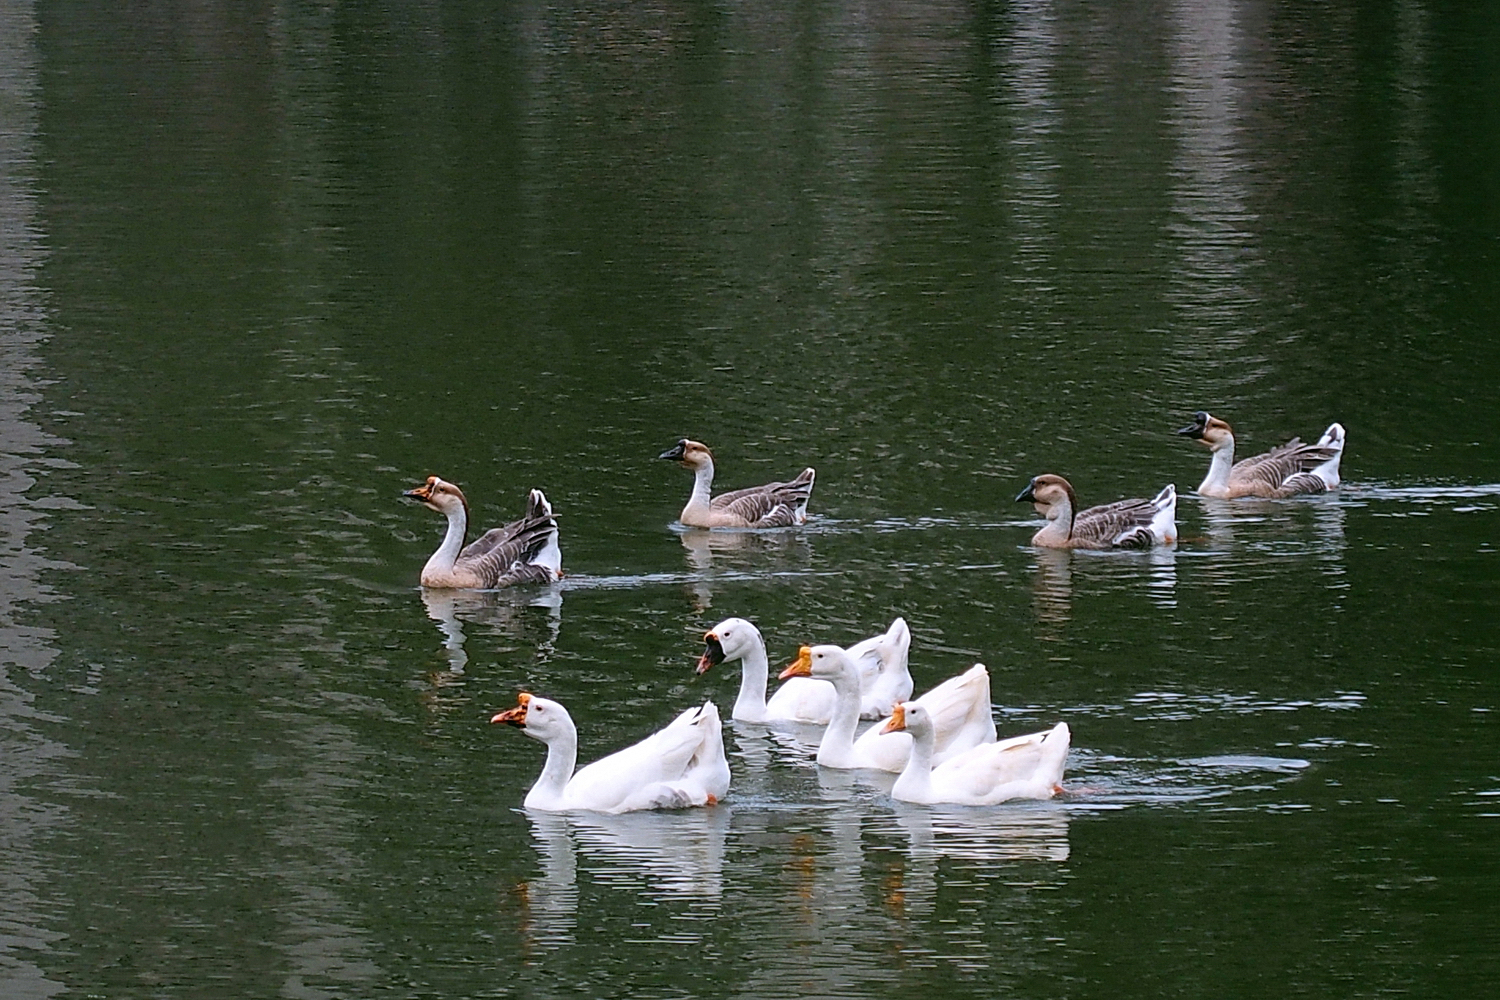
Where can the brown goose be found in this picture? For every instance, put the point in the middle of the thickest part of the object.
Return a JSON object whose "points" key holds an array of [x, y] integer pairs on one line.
{"points": [[775, 505], [524, 551], [1125, 524], [1286, 471]]}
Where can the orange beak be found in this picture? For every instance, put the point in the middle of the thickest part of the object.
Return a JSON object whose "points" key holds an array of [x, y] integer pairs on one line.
{"points": [[515, 716], [423, 492], [897, 721], [801, 666]]}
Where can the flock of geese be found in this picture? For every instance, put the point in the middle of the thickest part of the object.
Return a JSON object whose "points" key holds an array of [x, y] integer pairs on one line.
{"points": [[943, 745]]}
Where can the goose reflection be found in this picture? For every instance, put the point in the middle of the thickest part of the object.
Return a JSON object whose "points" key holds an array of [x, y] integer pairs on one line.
{"points": [[506, 611], [550, 903], [1247, 537], [671, 853], [986, 838], [1052, 583], [1052, 586], [709, 553]]}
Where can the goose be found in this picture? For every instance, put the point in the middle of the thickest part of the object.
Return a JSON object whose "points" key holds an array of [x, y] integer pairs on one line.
{"points": [[679, 766], [1022, 767], [960, 708], [1124, 524], [524, 551], [1285, 471], [884, 674], [775, 505], [881, 661]]}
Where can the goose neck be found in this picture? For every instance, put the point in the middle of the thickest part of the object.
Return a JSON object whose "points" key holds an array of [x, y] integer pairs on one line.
{"points": [[446, 555], [552, 783], [915, 781], [838, 739], [755, 672], [1219, 467]]}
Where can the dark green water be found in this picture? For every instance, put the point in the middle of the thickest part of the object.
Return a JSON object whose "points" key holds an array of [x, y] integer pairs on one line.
{"points": [[264, 266]]}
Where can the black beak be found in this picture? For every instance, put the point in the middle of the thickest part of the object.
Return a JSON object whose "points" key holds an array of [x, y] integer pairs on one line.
{"points": [[675, 453], [1026, 495], [1195, 430], [713, 653]]}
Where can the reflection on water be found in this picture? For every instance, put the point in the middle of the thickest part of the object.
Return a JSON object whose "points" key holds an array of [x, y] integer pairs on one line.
{"points": [[646, 855], [503, 611], [1021, 831], [1244, 540], [1154, 571], [1212, 225], [28, 756], [710, 553]]}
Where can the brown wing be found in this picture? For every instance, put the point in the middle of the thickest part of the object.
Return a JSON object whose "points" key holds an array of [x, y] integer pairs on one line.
{"points": [[510, 559], [1116, 524], [503, 556], [1278, 471], [774, 505]]}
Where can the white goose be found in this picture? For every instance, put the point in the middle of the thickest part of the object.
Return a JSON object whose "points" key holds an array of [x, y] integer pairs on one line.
{"points": [[881, 661], [1022, 767], [1124, 524], [884, 671], [679, 766], [524, 551], [960, 708], [1284, 471], [775, 505]]}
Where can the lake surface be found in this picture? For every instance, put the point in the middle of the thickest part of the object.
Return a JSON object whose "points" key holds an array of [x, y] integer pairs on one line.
{"points": [[262, 267]]}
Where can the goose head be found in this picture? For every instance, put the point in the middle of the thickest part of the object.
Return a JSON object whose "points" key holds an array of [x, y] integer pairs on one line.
{"points": [[731, 639], [1045, 492], [539, 718], [828, 663], [688, 453], [1208, 430], [909, 716], [443, 497]]}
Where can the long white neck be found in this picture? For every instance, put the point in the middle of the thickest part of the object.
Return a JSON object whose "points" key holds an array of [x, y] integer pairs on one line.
{"points": [[1059, 524], [755, 672], [837, 748], [915, 782], [552, 784], [703, 481], [446, 556], [1217, 479]]}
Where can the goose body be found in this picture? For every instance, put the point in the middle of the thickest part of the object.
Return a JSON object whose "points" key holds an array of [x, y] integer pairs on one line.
{"points": [[524, 551], [679, 766], [775, 505], [881, 661], [1283, 471], [960, 709], [1125, 524], [1022, 767], [884, 671]]}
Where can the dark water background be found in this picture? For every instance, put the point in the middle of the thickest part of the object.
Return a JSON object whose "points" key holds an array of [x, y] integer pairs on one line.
{"points": [[264, 266]]}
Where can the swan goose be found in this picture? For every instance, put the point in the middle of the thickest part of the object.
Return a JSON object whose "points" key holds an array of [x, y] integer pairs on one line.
{"points": [[1022, 767], [524, 551], [1284, 471], [881, 661], [775, 505], [960, 708], [1125, 524], [679, 766]]}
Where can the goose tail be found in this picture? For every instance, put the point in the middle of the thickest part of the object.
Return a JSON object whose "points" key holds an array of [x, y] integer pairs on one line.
{"points": [[549, 555], [1333, 440], [1163, 525]]}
